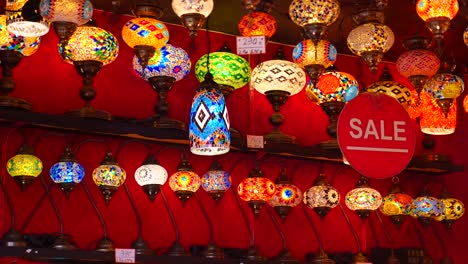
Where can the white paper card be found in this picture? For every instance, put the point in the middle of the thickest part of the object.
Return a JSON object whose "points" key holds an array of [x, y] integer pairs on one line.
{"points": [[254, 141], [125, 255], [251, 45]]}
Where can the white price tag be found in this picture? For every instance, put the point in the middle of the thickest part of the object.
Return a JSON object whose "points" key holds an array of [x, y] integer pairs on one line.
{"points": [[255, 141], [125, 255], [251, 45]]}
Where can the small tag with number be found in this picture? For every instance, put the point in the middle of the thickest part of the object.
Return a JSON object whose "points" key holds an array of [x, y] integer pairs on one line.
{"points": [[255, 141], [251, 45], [125, 255]]}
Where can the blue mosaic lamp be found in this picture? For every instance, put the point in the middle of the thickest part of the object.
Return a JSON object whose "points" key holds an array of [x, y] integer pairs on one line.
{"points": [[67, 173], [216, 181], [209, 120]]}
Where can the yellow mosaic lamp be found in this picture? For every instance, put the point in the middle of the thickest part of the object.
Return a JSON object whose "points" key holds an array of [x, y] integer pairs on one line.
{"points": [[388, 86], [363, 199], [24, 167], [453, 209], [108, 177], [396, 204]]}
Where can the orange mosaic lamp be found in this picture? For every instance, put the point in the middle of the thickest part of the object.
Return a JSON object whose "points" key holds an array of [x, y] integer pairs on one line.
{"points": [[465, 103], [433, 120], [256, 190], [184, 182], [437, 14], [257, 24]]}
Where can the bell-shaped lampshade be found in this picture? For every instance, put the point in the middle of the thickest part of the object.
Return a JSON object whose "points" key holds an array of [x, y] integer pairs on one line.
{"points": [[363, 199], [287, 196], [27, 21], [257, 24], [425, 208], [216, 181], [256, 190], [229, 70], [433, 120], [333, 86], [9, 41], [24, 167], [77, 12], [392, 88], [430, 9], [151, 176], [108, 177], [90, 44], [169, 61], [67, 173], [321, 196], [303, 12], [145, 31], [193, 13], [184, 182], [209, 121]]}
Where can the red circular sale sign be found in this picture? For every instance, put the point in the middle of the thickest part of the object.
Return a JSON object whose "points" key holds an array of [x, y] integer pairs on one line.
{"points": [[376, 135]]}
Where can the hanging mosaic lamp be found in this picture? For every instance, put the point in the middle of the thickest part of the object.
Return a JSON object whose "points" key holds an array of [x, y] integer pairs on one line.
{"points": [[371, 39], [256, 190], [145, 35], [192, 13], [433, 120], [322, 197], [184, 182], [24, 167], [278, 80], [209, 121], [27, 21], [314, 16], [453, 209], [444, 88], [151, 176], [396, 204], [109, 176], [437, 14], [257, 24], [168, 65], [388, 86], [314, 57], [67, 173], [216, 181], [66, 15], [229, 70], [418, 63], [363, 199], [287, 195], [425, 207]]}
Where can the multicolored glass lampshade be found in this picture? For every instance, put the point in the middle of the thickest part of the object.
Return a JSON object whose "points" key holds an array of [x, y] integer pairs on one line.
{"points": [[256, 190], [145, 31], [453, 209], [333, 86], [393, 89], [429, 9], [465, 36], [278, 75], [183, 7], [433, 120], [444, 86], [286, 196], [24, 45], [227, 69], [24, 167], [151, 176], [184, 183], [27, 21], [465, 104], [169, 61], [257, 24], [307, 53], [363, 200], [67, 173], [75, 11], [216, 182], [15, 5], [209, 121], [90, 43], [321, 197], [396, 204], [418, 62], [303, 12], [426, 207], [108, 177]]}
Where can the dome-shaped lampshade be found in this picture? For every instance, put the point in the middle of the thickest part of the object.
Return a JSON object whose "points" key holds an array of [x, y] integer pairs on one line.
{"points": [[216, 182], [418, 62], [333, 87], [184, 184], [425, 208], [24, 167], [9, 41], [91, 43], [453, 210], [183, 7], [444, 86], [433, 120], [151, 176], [257, 24], [321, 198], [227, 69], [75, 11], [67, 173], [256, 190], [108, 177], [168, 61], [396, 205], [393, 89], [286, 196], [307, 53], [145, 31], [363, 200], [279, 75], [430, 9], [303, 12]]}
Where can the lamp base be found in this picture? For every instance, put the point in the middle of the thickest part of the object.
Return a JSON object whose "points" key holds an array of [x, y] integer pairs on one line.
{"points": [[216, 195], [107, 192], [89, 112], [438, 26], [177, 250], [363, 214], [314, 71], [359, 257], [151, 190], [13, 102], [330, 144], [278, 137], [193, 21], [13, 238], [141, 247], [67, 187], [256, 207], [321, 258], [213, 252], [63, 243], [168, 123], [322, 211], [253, 255], [285, 257], [24, 181], [283, 211], [448, 224], [105, 245], [397, 220], [184, 195]]}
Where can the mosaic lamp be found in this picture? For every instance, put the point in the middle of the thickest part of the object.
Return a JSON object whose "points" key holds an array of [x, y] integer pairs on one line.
{"points": [[433, 120], [465, 36], [192, 13], [444, 88], [88, 49], [314, 57], [24, 167], [26, 20], [363, 199], [257, 24], [465, 104], [314, 16], [216, 181], [453, 209], [67, 173], [151, 176], [12, 49], [418, 63], [287, 195], [278, 80], [145, 35], [109, 176], [321, 196], [437, 14], [229, 70], [184, 182], [168, 65], [256, 190], [425, 207], [66, 15], [371, 39], [396, 204]]}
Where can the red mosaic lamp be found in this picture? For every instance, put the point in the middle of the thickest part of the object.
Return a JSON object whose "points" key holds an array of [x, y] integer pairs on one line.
{"points": [[257, 24], [256, 190]]}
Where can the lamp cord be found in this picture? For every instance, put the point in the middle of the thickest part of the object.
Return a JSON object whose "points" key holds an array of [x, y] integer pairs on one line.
{"points": [[171, 215], [98, 213], [350, 227], [278, 228], [387, 235], [207, 218], [314, 228], [10, 204], [52, 202], [135, 210], [208, 45]]}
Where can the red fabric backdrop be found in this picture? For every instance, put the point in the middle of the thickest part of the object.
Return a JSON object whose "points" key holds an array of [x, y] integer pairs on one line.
{"points": [[52, 86]]}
